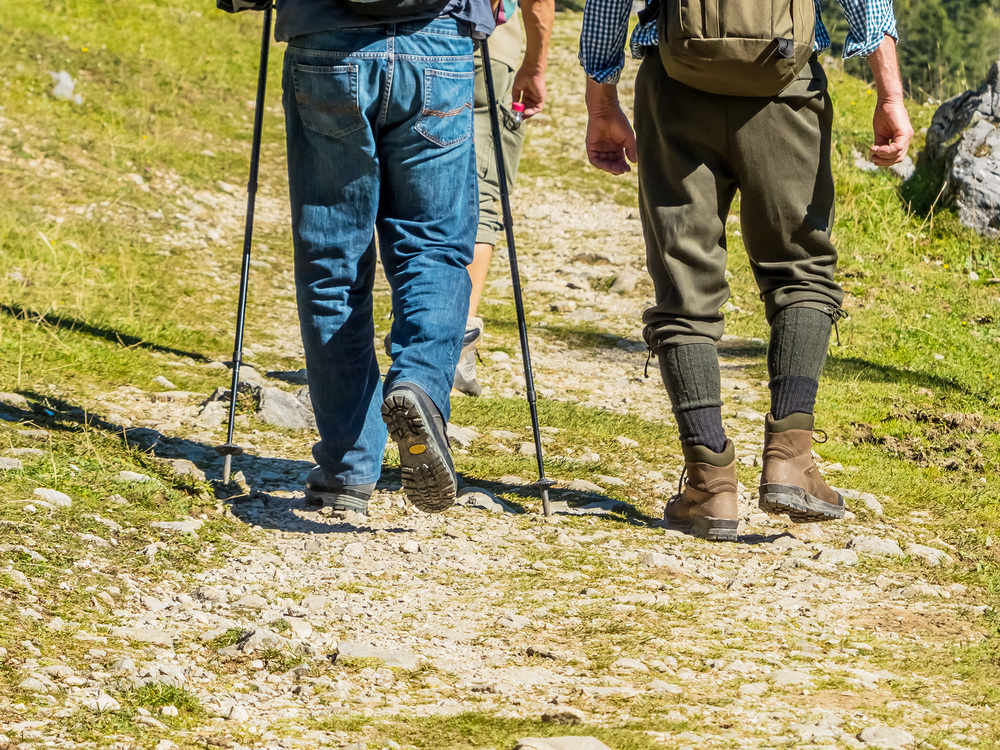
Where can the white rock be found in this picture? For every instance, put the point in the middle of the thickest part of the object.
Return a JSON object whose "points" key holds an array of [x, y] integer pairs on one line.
{"points": [[784, 677], [391, 658], [55, 497], [103, 702], [873, 545], [560, 743], [564, 715], [184, 527], [837, 556], [929, 555], [887, 737], [625, 664], [134, 476], [33, 685], [513, 622], [238, 713]]}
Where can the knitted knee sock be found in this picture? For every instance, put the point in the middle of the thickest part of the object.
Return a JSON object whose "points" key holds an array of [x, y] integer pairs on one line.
{"points": [[800, 337], [691, 375]]}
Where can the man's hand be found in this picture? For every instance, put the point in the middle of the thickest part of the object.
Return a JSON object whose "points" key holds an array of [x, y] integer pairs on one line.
{"points": [[529, 88], [610, 140], [893, 131]]}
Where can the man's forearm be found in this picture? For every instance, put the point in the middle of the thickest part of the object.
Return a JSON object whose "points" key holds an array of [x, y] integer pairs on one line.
{"points": [[539, 16], [885, 69]]}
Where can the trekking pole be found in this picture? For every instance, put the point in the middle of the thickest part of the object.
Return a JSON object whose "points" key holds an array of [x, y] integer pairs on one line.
{"points": [[229, 448], [522, 328]]}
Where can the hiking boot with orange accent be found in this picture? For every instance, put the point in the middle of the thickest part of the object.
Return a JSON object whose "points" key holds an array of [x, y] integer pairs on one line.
{"points": [[708, 499], [421, 434], [790, 482]]}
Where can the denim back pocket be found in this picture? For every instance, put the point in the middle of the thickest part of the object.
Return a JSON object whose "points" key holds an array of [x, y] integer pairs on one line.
{"points": [[327, 98], [446, 118]]}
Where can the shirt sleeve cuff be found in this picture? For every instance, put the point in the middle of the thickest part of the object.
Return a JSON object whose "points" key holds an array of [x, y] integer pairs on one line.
{"points": [[606, 77], [607, 74], [854, 47]]}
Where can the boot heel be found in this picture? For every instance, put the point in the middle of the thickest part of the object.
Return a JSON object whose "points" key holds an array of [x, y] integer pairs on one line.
{"points": [[715, 529], [800, 506]]}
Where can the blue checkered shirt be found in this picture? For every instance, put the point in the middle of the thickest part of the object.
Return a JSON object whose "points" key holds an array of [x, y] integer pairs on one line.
{"points": [[605, 26]]}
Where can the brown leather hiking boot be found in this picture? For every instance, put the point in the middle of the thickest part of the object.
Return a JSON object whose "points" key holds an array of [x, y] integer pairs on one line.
{"points": [[790, 482], [708, 500]]}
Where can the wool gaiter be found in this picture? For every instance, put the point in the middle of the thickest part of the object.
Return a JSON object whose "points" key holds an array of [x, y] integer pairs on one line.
{"points": [[691, 375], [800, 338]]}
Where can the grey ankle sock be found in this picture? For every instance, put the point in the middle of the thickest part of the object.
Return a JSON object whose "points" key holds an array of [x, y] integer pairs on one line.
{"points": [[800, 337], [691, 375]]}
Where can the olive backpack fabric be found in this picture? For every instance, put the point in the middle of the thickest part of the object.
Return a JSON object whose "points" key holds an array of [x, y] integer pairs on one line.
{"points": [[736, 47]]}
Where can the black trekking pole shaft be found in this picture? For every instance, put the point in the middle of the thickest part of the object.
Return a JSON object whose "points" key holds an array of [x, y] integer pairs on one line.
{"points": [[230, 449], [508, 224]]}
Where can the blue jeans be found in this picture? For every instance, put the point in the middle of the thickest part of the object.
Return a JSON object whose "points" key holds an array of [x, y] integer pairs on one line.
{"points": [[379, 129]]}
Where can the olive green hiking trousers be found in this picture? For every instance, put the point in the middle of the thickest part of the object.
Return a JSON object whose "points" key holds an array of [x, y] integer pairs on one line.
{"points": [[695, 150]]}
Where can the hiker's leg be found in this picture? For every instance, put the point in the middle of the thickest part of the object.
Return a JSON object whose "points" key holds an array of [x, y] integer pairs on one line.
{"points": [[512, 139], [334, 186], [427, 217], [685, 190], [782, 157]]}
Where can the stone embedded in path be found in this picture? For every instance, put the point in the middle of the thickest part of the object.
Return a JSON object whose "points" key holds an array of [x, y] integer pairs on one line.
{"points": [[14, 399], [874, 545], [462, 436], [629, 665], [175, 397], [564, 715], [837, 556], [919, 590], [33, 685], [863, 498], [477, 497], [251, 601], [887, 737], [390, 657], [659, 560], [284, 409], [754, 688], [930, 555], [160, 380], [7, 464], [513, 622], [783, 677], [55, 497], [102, 702], [182, 467], [156, 636], [259, 639], [612, 481], [184, 527], [583, 485], [560, 743]]}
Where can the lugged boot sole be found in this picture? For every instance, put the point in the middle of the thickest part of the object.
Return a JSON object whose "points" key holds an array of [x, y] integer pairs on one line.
{"points": [[715, 529], [800, 506], [428, 481]]}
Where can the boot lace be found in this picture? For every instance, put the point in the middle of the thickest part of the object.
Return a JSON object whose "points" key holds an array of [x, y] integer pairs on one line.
{"points": [[680, 483]]}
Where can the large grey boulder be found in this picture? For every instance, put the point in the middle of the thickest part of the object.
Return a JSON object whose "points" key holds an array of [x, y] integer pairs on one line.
{"points": [[965, 132]]}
